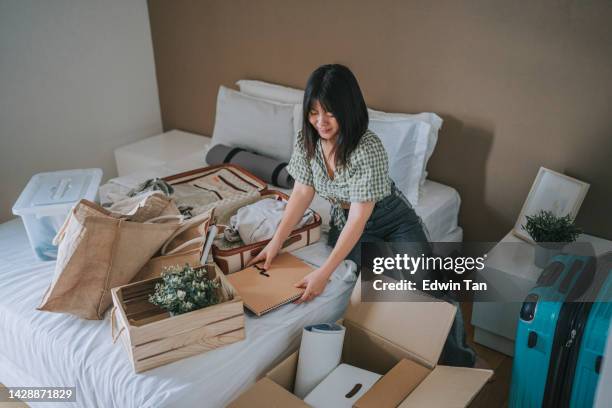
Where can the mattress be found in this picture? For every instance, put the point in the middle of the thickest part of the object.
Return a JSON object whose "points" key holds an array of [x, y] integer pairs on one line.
{"points": [[438, 203], [50, 349], [438, 208]]}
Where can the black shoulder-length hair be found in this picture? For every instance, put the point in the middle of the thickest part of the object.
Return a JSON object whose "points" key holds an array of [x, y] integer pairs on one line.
{"points": [[337, 90]]}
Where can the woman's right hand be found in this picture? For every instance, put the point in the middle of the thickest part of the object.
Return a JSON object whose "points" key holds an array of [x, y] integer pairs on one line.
{"points": [[267, 254], [300, 199]]}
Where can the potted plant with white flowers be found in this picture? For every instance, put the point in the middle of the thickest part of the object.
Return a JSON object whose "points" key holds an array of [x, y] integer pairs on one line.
{"points": [[185, 289], [551, 233]]}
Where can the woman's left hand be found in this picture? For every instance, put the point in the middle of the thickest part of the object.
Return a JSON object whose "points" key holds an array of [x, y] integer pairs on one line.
{"points": [[314, 283]]}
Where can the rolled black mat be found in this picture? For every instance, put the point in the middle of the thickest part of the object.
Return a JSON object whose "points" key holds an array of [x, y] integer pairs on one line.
{"points": [[270, 170]]}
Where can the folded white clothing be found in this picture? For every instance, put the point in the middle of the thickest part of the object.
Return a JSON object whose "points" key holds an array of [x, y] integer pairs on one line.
{"points": [[258, 221]]}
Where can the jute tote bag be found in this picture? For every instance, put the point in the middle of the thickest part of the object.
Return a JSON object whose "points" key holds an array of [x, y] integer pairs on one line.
{"points": [[185, 246], [98, 251]]}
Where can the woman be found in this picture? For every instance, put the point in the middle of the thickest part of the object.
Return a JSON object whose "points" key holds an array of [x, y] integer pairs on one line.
{"points": [[337, 156]]}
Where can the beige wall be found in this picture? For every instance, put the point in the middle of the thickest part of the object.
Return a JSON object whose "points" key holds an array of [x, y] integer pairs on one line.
{"points": [[520, 84], [77, 80]]}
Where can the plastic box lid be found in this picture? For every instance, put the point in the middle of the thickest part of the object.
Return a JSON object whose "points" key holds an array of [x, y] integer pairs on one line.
{"points": [[51, 193]]}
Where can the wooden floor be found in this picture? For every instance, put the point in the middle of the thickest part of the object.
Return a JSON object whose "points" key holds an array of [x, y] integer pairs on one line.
{"points": [[4, 397], [495, 392]]}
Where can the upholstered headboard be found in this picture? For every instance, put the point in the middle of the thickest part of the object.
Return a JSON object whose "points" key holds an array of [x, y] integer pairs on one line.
{"points": [[519, 85]]}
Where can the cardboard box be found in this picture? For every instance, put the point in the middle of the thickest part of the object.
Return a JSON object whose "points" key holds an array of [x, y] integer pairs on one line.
{"points": [[402, 341]]}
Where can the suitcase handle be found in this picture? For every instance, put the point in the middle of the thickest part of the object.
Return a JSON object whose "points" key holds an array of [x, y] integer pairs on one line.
{"points": [[532, 339], [289, 241]]}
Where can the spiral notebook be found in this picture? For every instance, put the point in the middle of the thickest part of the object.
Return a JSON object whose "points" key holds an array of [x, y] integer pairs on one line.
{"points": [[265, 290]]}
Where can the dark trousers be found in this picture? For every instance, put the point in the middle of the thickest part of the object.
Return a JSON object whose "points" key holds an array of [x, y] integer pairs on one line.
{"points": [[393, 220]]}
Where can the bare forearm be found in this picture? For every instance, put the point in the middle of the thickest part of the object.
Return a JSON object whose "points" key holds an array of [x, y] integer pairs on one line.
{"points": [[346, 241], [296, 207], [358, 216]]}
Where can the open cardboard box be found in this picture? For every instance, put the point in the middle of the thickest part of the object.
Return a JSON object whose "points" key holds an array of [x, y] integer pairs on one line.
{"points": [[403, 341]]}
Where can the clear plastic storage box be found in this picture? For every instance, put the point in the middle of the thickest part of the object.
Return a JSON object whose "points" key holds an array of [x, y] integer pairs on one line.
{"points": [[47, 200]]}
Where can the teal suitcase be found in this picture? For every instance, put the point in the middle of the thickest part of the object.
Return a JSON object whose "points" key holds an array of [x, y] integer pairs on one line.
{"points": [[546, 324], [593, 342]]}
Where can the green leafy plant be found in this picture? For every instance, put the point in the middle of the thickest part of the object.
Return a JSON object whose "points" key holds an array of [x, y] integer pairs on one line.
{"points": [[547, 227], [185, 289]]}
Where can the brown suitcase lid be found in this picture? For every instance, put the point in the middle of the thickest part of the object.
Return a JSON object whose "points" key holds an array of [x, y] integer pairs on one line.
{"points": [[221, 170]]}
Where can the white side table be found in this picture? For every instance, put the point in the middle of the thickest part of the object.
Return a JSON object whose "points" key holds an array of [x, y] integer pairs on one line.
{"points": [[511, 260], [175, 147]]}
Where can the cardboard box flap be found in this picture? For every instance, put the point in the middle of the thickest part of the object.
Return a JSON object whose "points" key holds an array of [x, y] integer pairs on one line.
{"points": [[284, 373], [448, 387], [267, 394], [394, 386], [419, 326]]}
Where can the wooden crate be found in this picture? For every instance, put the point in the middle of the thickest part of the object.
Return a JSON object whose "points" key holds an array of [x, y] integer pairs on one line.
{"points": [[153, 338]]}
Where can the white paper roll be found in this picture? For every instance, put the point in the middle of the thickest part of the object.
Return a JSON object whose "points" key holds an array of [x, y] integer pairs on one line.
{"points": [[320, 353]]}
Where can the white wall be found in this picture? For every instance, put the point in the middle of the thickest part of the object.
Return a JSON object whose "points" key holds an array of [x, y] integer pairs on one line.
{"points": [[77, 79]]}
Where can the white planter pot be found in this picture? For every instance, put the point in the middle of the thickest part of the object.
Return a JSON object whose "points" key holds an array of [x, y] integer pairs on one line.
{"points": [[544, 252]]}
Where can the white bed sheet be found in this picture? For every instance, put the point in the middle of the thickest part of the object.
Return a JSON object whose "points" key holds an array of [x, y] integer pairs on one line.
{"points": [[49, 349], [439, 207]]}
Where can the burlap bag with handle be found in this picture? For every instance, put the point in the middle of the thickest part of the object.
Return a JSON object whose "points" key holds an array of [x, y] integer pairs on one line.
{"points": [[99, 251], [185, 246]]}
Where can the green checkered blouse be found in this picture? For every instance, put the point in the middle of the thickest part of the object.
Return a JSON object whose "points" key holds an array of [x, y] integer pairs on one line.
{"points": [[364, 178]]}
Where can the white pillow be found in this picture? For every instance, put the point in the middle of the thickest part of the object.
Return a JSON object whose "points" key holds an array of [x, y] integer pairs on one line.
{"points": [[298, 118], [278, 93], [270, 91], [405, 141], [259, 125], [291, 95], [434, 120]]}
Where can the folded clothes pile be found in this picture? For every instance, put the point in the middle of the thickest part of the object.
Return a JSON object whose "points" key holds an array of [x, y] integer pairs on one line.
{"points": [[258, 221]]}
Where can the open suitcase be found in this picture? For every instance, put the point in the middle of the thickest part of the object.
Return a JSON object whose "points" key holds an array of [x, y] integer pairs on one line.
{"points": [[560, 340], [229, 188]]}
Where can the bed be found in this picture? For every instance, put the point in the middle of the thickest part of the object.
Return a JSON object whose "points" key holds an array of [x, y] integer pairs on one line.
{"points": [[48, 349]]}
